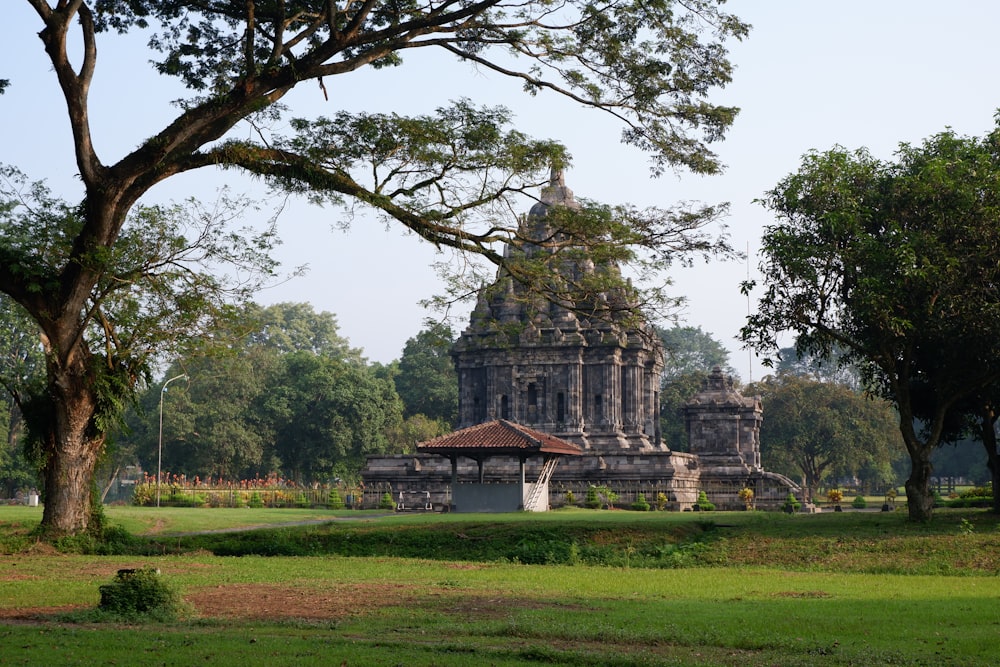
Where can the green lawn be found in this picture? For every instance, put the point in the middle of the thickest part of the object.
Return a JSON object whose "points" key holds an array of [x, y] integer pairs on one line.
{"points": [[845, 589]]}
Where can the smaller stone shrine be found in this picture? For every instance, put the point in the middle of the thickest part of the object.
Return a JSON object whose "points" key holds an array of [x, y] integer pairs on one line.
{"points": [[723, 426], [723, 429]]}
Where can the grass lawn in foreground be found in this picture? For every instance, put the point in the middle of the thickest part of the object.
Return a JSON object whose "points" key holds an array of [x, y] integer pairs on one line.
{"points": [[380, 610]]}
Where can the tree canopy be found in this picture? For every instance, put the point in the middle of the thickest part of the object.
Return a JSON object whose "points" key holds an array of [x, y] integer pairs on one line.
{"points": [[898, 265], [22, 369], [690, 350], [426, 382], [290, 398], [815, 429]]}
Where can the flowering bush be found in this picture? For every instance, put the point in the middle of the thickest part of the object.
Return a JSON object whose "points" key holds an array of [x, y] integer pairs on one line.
{"points": [[181, 491], [834, 496], [661, 501]]}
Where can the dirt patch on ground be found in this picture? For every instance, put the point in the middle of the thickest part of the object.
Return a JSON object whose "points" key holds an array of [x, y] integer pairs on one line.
{"points": [[36, 613], [266, 601], [308, 601]]}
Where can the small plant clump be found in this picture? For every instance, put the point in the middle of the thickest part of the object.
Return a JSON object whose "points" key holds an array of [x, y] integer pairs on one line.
{"points": [[661, 501], [386, 503], [640, 504], [334, 500], [610, 496], [792, 505], [139, 594], [570, 498], [255, 502], [704, 504], [976, 496], [592, 501], [859, 502]]}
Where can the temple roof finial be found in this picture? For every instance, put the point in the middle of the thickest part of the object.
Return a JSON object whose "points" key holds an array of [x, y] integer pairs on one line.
{"points": [[556, 179], [555, 192]]}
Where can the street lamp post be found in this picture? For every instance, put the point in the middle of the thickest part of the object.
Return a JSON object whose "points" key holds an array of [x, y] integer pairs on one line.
{"points": [[159, 447]]}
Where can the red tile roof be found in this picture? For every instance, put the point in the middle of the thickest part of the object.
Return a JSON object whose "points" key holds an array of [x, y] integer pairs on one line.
{"points": [[497, 438]]}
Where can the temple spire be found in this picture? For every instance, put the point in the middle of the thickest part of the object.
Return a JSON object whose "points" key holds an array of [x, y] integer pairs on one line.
{"points": [[555, 193], [556, 179]]}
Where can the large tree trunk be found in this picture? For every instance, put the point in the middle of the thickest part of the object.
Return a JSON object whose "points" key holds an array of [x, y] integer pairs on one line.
{"points": [[919, 500], [994, 465], [988, 436], [72, 446]]}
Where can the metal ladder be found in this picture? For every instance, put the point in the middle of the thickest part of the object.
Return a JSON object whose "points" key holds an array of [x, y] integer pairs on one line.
{"points": [[543, 479]]}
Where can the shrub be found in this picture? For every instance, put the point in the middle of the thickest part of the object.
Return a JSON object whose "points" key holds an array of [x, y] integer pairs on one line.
{"points": [[834, 496], [859, 502], [978, 492], [792, 504], [970, 501], [386, 503], [334, 501], [592, 501], [661, 501], [640, 504], [301, 501], [746, 495], [140, 593], [143, 494], [178, 498], [255, 501], [703, 504], [609, 495], [570, 498]]}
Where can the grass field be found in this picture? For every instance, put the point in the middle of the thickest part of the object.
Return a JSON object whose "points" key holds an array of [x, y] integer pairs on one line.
{"points": [[620, 588]]}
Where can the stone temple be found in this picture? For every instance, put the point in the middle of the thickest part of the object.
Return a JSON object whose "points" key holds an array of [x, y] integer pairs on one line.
{"points": [[545, 365], [591, 381]]}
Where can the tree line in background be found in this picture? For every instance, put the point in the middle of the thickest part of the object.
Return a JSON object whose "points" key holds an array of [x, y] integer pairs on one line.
{"points": [[819, 426], [281, 393], [287, 396]]}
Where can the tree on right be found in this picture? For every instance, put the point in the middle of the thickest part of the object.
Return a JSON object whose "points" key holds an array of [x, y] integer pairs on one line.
{"points": [[896, 264]]}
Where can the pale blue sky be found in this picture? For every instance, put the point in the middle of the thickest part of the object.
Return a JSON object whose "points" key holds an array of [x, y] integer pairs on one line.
{"points": [[811, 75]]}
